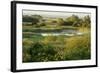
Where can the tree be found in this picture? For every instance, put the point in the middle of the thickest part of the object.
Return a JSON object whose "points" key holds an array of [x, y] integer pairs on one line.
{"points": [[27, 18], [87, 21], [72, 20], [60, 21], [36, 19]]}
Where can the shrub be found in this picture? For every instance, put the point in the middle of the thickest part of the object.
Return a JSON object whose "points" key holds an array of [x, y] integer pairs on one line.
{"points": [[41, 52]]}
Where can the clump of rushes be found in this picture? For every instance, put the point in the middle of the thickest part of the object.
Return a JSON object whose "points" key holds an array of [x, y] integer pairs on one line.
{"points": [[78, 48]]}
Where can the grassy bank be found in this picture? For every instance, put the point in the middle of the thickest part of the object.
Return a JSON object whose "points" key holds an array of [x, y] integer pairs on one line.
{"points": [[56, 48]]}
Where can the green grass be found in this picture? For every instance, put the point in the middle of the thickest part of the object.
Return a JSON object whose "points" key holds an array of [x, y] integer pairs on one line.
{"points": [[37, 48], [73, 48]]}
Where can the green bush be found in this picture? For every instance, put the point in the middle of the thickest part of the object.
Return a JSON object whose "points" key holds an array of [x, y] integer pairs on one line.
{"points": [[40, 52]]}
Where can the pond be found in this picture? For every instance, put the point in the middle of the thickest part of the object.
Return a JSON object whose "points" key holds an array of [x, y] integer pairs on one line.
{"points": [[56, 32], [53, 32]]}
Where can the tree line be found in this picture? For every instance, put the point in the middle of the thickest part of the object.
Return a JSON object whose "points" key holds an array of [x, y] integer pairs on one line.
{"points": [[74, 20]]}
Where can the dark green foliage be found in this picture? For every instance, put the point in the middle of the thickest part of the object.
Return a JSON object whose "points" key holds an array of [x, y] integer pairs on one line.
{"points": [[27, 18], [72, 20], [34, 19], [40, 52]]}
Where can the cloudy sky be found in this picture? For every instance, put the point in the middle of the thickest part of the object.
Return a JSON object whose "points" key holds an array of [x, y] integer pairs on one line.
{"points": [[54, 14]]}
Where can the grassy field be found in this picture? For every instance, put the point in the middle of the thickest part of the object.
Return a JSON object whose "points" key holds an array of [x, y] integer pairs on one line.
{"points": [[37, 48]]}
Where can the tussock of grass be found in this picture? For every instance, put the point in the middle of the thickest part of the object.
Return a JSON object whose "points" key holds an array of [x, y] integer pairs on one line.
{"points": [[83, 29], [77, 48]]}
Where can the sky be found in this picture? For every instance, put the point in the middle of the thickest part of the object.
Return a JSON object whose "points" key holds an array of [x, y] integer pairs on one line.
{"points": [[54, 14]]}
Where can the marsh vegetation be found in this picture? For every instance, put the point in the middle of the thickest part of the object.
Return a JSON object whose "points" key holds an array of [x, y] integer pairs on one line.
{"points": [[56, 39]]}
